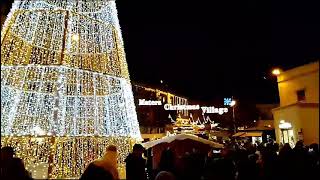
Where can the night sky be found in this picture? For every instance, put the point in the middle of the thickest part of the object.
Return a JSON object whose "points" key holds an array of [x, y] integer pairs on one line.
{"points": [[208, 50]]}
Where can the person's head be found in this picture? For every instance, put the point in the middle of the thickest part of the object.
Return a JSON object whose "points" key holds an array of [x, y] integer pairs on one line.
{"points": [[225, 152], [269, 146], [163, 175], [138, 149], [111, 148], [111, 154], [260, 147], [109, 161], [276, 147], [314, 147], [285, 149], [270, 140], [7, 152], [286, 146], [299, 145]]}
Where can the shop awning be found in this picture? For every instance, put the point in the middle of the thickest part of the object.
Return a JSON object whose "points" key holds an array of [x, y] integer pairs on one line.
{"points": [[251, 134], [238, 134], [170, 139]]}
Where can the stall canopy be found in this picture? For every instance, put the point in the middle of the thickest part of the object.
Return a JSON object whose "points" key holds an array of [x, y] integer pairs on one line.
{"points": [[248, 134], [170, 139], [238, 134], [181, 145]]}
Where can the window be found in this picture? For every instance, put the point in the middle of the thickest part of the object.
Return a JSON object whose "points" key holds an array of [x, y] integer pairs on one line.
{"points": [[301, 95]]}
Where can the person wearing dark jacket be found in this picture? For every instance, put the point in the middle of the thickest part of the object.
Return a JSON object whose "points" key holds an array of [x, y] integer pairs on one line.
{"points": [[135, 164], [12, 167], [167, 166]]}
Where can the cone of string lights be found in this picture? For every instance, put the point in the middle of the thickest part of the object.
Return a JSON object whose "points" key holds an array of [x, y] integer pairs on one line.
{"points": [[65, 87]]}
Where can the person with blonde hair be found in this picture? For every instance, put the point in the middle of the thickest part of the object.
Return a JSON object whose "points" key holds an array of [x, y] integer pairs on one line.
{"points": [[103, 168]]}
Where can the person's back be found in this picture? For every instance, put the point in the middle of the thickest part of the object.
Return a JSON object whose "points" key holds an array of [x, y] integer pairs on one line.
{"points": [[247, 167], [301, 167], [95, 172], [192, 167], [167, 163], [12, 167], [223, 169], [104, 168], [135, 167], [165, 175], [270, 162], [220, 168], [314, 159], [286, 161]]}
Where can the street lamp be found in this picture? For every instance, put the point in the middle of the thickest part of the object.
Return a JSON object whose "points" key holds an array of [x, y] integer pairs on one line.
{"points": [[232, 104], [276, 71]]}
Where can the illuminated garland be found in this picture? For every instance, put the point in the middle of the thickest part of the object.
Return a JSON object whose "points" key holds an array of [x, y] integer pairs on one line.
{"points": [[65, 88]]}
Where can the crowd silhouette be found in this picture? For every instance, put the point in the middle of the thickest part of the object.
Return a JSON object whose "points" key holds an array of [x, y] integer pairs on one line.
{"points": [[11, 166], [236, 161]]}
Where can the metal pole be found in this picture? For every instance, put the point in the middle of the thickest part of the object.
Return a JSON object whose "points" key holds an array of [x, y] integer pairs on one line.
{"points": [[234, 120]]}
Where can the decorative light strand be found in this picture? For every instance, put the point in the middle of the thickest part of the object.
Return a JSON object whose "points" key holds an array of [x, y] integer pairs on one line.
{"points": [[65, 88]]}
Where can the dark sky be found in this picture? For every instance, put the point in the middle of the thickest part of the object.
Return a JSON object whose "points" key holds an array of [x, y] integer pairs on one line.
{"points": [[207, 50]]}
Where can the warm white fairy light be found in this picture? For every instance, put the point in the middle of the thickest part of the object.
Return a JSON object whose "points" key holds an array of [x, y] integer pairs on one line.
{"points": [[65, 89]]}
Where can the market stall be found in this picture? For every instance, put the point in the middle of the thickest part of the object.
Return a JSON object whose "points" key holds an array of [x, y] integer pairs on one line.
{"points": [[180, 144]]}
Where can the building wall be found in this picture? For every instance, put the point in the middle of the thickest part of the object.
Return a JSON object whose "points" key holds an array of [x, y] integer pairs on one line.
{"points": [[304, 77], [303, 119], [309, 117], [303, 115]]}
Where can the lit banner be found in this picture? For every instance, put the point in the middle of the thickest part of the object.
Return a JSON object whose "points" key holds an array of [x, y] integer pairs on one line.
{"points": [[181, 107], [212, 110], [143, 102], [178, 107], [206, 110]]}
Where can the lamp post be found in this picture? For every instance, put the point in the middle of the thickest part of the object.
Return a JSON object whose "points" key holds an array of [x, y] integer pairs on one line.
{"points": [[276, 71], [232, 104]]}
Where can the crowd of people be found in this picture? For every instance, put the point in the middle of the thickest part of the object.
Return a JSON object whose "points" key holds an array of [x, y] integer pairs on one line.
{"points": [[12, 167], [236, 161]]}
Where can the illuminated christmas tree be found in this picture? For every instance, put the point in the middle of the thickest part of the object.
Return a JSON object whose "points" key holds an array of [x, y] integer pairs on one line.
{"points": [[65, 87]]}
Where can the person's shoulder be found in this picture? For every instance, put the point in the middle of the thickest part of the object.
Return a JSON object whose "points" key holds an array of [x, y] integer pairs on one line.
{"points": [[16, 159], [93, 167], [129, 157], [165, 175], [94, 171]]}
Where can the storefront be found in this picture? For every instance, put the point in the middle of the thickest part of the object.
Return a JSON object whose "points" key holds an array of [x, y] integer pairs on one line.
{"points": [[286, 133], [254, 137], [297, 117]]}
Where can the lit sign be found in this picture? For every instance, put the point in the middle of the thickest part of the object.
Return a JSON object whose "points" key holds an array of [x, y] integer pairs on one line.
{"points": [[227, 101], [178, 107], [208, 110], [285, 125], [181, 107], [212, 109], [143, 102]]}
